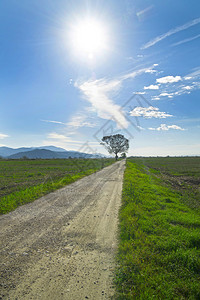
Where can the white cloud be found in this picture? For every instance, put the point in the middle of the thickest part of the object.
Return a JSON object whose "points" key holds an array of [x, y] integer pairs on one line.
{"points": [[155, 98], [100, 94], [140, 93], [151, 87], [55, 135], [130, 58], [144, 11], [186, 40], [64, 141], [170, 32], [187, 78], [136, 73], [79, 120], [150, 71], [171, 91], [187, 87], [62, 138], [175, 127], [140, 127], [169, 95], [164, 127], [148, 112], [3, 136], [56, 122], [168, 79]]}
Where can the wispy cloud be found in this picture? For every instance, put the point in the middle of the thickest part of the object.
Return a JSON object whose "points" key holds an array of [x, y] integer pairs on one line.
{"points": [[151, 87], [62, 138], [79, 120], [195, 73], [3, 136], [143, 12], [172, 86], [171, 32], [177, 91], [135, 73], [149, 112], [64, 141], [140, 93], [164, 127], [55, 122], [169, 79], [100, 94], [186, 40]]}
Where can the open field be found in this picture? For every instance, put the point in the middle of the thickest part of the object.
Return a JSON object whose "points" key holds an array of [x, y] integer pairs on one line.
{"points": [[159, 250], [179, 173], [22, 181]]}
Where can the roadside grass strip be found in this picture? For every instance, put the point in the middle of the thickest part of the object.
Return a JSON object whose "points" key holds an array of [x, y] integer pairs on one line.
{"points": [[31, 193], [159, 247], [12, 201]]}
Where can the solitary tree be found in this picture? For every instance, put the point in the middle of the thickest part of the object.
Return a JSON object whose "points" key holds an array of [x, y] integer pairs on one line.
{"points": [[123, 155], [115, 144]]}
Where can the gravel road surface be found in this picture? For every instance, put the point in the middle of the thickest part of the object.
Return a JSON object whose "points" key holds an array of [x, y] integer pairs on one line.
{"points": [[62, 245]]}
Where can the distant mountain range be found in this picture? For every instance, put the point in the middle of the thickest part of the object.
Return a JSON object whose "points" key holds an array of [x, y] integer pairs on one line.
{"points": [[45, 152]]}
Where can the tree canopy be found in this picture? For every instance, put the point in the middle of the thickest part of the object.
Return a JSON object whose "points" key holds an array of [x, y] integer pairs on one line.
{"points": [[123, 155], [115, 144]]}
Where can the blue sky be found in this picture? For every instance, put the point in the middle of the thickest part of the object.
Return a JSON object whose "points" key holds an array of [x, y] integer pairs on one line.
{"points": [[73, 71]]}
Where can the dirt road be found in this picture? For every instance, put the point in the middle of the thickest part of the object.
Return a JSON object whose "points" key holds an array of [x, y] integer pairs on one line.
{"points": [[62, 245]]}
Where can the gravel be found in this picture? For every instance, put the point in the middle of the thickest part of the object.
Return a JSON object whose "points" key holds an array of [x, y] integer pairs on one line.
{"points": [[62, 245]]}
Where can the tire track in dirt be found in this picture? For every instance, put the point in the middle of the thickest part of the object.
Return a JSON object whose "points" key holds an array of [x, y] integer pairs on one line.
{"points": [[62, 245]]}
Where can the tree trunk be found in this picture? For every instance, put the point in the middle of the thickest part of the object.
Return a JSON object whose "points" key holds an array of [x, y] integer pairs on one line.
{"points": [[116, 157]]}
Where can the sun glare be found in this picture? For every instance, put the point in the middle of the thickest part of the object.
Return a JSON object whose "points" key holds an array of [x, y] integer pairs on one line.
{"points": [[88, 38]]}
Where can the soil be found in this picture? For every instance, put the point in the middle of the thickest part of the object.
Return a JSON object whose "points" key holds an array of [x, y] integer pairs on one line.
{"points": [[63, 245]]}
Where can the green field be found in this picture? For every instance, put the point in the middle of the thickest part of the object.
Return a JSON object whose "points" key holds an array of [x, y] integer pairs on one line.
{"points": [[159, 247], [179, 173], [22, 181]]}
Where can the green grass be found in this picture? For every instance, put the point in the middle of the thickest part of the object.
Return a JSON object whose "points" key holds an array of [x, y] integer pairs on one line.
{"points": [[23, 181], [179, 173], [159, 248]]}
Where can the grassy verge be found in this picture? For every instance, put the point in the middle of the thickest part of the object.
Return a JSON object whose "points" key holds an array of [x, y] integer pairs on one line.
{"points": [[159, 250], [54, 174]]}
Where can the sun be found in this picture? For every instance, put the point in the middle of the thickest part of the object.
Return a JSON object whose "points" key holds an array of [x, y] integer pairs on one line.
{"points": [[88, 38]]}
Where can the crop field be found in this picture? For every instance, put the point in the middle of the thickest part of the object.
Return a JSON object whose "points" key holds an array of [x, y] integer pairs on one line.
{"points": [[159, 247], [22, 181], [179, 173]]}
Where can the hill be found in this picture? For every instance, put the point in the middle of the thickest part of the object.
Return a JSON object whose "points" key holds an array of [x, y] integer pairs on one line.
{"points": [[48, 154], [43, 152], [6, 151]]}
